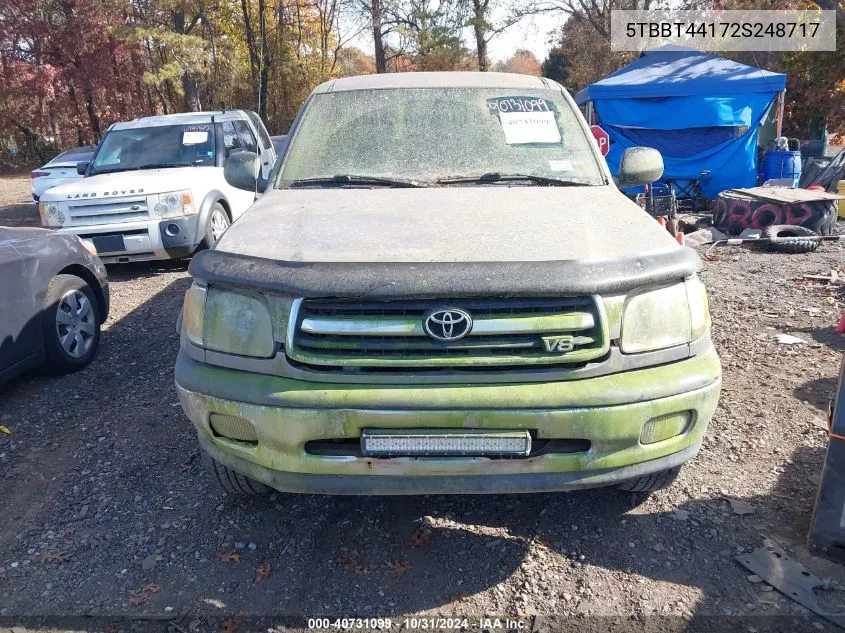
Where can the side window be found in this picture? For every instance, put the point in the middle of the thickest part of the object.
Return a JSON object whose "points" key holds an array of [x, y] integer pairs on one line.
{"points": [[247, 137], [262, 131], [230, 137]]}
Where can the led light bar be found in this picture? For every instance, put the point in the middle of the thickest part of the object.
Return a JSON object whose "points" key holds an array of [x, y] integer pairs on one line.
{"points": [[444, 443]]}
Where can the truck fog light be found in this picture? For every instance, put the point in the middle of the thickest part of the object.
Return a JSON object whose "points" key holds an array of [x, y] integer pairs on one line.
{"points": [[665, 427], [172, 230], [233, 428]]}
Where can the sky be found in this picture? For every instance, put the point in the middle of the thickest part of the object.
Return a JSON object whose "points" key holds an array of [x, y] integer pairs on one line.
{"points": [[531, 33]]}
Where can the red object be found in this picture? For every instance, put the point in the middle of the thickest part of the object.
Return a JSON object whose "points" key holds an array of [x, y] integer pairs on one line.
{"points": [[679, 237], [38, 174], [816, 188], [602, 138], [840, 329]]}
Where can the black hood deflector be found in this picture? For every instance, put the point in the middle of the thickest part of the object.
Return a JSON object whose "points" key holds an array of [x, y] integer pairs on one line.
{"points": [[443, 279]]}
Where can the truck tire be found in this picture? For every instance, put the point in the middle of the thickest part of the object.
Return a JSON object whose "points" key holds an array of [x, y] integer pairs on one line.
{"points": [[71, 324], [232, 482], [218, 222], [651, 483], [787, 238]]}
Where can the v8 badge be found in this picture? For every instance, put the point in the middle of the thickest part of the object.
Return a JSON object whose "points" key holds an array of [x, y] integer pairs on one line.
{"points": [[560, 344]]}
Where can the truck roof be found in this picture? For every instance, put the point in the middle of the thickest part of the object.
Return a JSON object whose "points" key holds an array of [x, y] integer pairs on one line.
{"points": [[438, 80], [182, 118]]}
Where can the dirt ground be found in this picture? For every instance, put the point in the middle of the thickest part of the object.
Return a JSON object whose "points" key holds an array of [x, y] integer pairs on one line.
{"points": [[107, 511]]}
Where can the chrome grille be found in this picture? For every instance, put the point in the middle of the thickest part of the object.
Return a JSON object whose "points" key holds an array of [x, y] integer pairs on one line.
{"points": [[89, 213], [383, 335]]}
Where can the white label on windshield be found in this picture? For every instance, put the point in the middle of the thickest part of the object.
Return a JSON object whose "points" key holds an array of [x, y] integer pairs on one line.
{"points": [[560, 165], [194, 138], [521, 128]]}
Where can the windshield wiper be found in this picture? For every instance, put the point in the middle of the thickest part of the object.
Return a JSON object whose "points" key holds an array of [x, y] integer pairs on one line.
{"points": [[497, 176], [138, 167], [350, 179]]}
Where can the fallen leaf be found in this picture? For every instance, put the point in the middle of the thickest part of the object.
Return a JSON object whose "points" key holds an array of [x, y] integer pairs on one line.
{"points": [[262, 572], [230, 556], [50, 557], [143, 594], [5, 429], [419, 537], [399, 568], [741, 507], [230, 625], [352, 563]]}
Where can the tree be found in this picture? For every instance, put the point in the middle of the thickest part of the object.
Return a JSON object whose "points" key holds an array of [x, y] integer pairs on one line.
{"points": [[556, 66], [429, 33], [523, 62], [353, 61]]}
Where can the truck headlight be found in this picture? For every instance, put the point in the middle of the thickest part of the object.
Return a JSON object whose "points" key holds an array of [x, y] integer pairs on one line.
{"points": [[228, 322], [175, 203], [699, 308], [50, 214], [656, 318]]}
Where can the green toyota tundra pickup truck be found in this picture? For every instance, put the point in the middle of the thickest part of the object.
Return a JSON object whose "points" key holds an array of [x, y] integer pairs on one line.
{"points": [[442, 290]]}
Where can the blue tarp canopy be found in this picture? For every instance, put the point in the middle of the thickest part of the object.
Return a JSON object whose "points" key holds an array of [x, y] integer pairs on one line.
{"points": [[701, 111]]}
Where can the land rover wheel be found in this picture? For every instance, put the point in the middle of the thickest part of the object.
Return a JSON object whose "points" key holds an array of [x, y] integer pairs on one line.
{"points": [[232, 482], [651, 483], [71, 324], [218, 222]]}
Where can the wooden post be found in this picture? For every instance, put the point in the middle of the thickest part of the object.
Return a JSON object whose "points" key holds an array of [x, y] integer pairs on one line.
{"points": [[781, 105]]}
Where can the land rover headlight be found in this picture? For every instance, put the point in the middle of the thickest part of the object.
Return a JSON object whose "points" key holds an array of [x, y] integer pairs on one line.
{"points": [[228, 322], [175, 203], [656, 318], [50, 214]]}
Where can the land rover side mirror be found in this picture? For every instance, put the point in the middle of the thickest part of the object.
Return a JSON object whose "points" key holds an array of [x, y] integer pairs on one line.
{"points": [[81, 168], [242, 170], [639, 166]]}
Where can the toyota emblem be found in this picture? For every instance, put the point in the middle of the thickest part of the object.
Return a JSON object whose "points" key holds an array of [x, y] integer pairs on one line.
{"points": [[447, 325]]}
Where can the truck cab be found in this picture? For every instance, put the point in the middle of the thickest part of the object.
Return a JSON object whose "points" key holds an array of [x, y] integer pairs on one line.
{"points": [[155, 188]]}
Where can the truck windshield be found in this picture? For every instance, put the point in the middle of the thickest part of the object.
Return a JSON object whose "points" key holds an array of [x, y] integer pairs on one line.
{"points": [[153, 147], [440, 136]]}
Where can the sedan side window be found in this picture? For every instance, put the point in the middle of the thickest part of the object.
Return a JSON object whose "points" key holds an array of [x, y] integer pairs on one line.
{"points": [[246, 135]]}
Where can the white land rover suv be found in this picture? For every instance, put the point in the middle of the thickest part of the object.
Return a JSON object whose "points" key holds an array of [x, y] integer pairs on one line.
{"points": [[155, 187]]}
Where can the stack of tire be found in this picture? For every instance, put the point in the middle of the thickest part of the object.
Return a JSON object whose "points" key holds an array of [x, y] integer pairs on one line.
{"points": [[786, 226]]}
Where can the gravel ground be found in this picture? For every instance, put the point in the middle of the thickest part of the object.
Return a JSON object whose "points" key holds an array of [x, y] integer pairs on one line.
{"points": [[107, 510]]}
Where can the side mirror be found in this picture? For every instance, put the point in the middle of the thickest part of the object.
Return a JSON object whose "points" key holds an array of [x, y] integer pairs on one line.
{"points": [[242, 170], [81, 168], [639, 166]]}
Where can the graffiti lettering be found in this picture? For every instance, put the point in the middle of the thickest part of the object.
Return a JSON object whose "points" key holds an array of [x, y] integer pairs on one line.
{"points": [[733, 214]]}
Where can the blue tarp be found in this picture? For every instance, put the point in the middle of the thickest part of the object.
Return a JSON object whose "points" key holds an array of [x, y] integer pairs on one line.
{"points": [[701, 111]]}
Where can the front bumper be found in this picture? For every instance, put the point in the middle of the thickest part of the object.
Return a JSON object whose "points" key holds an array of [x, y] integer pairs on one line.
{"points": [[144, 241], [608, 411]]}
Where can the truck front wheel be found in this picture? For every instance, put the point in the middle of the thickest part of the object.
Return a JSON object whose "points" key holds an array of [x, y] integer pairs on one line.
{"points": [[233, 483], [651, 483]]}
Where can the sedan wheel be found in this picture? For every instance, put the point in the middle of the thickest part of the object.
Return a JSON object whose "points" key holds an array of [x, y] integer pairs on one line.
{"points": [[76, 323], [71, 324]]}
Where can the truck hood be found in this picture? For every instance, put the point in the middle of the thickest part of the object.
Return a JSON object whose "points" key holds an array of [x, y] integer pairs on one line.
{"points": [[446, 224], [124, 183]]}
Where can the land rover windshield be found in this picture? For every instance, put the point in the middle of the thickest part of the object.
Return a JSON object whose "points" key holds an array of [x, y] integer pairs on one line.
{"points": [[439, 136], [155, 147]]}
